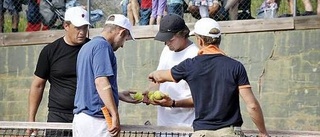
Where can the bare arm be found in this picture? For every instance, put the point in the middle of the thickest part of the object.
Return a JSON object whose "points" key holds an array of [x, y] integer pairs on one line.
{"points": [[168, 102], [254, 110], [35, 96], [105, 92], [160, 76]]}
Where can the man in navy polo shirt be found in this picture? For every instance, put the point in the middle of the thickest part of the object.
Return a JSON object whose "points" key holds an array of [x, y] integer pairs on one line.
{"points": [[216, 81]]}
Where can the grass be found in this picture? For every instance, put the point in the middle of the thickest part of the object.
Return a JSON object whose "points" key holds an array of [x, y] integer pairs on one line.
{"points": [[255, 4]]}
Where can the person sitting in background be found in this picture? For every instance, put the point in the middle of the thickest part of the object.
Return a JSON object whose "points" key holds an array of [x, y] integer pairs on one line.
{"points": [[158, 8], [14, 7], [175, 7], [244, 10], [307, 7], [133, 9], [232, 7], [223, 10], [124, 6], [268, 9], [52, 11], [145, 12], [238, 9], [204, 8], [34, 17]]}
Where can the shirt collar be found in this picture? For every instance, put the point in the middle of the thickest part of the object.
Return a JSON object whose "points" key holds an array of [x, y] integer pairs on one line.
{"points": [[211, 49]]}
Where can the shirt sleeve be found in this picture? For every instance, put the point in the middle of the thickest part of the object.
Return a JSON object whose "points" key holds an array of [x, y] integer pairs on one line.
{"points": [[43, 64], [181, 70], [242, 77], [102, 62]]}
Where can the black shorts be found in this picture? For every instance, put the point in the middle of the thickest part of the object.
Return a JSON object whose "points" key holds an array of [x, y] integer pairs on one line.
{"points": [[59, 117]]}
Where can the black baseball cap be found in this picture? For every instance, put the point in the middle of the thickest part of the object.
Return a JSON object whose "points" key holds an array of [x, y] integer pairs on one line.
{"points": [[169, 26]]}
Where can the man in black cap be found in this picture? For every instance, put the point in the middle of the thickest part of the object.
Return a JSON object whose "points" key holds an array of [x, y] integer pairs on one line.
{"points": [[177, 107]]}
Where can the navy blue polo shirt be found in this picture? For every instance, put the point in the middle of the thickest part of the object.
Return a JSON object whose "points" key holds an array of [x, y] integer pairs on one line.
{"points": [[214, 80]]}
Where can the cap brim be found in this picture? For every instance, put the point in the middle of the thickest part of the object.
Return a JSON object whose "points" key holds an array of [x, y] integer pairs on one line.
{"points": [[191, 33], [80, 23], [132, 37], [164, 36]]}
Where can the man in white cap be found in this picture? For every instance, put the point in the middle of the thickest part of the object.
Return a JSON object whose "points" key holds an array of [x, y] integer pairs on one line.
{"points": [[97, 81], [216, 81], [57, 64]]}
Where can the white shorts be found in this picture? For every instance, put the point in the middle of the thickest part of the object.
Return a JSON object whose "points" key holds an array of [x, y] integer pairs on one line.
{"points": [[84, 125]]}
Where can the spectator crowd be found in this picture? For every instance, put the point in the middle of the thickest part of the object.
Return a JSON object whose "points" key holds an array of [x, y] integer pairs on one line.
{"points": [[44, 14]]}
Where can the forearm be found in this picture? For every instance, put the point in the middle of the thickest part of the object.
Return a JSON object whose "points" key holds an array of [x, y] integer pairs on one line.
{"points": [[106, 94], [253, 108], [35, 97], [256, 115], [185, 103]]}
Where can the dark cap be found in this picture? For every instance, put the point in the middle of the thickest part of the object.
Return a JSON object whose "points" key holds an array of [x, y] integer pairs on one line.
{"points": [[169, 26]]}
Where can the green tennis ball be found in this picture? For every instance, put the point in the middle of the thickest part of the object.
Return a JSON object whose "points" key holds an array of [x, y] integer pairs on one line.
{"points": [[150, 93], [138, 96], [158, 95], [151, 98]]}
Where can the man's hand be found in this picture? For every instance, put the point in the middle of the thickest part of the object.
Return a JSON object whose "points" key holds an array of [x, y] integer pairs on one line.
{"points": [[160, 76], [31, 132], [166, 101], [126, 97]]}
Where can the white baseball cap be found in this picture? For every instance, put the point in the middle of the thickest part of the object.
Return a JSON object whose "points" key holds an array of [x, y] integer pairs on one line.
{"points": [[122, 21], [77, 16], [204, 25]]}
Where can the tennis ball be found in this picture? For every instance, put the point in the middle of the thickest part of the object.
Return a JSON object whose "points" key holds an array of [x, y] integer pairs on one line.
{"points": [[151, 98], [138, 96], [158, 95], [150, 93]]}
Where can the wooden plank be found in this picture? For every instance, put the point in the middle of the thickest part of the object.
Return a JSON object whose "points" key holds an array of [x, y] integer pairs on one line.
{"points": [[139, 32], [256, 25], [44, 37], [29, 38], [149, 31], [307, 22]]}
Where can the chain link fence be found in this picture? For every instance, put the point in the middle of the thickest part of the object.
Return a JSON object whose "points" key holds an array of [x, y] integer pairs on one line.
{"points": [[35, 15]]}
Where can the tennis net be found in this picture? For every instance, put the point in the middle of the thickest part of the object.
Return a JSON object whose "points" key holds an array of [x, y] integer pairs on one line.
{"points": [[19, 129]]}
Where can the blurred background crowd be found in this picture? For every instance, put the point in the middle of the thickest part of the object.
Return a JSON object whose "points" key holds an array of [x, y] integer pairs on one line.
{"points": [[36, 15]]}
